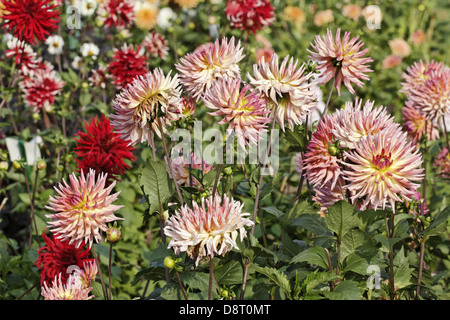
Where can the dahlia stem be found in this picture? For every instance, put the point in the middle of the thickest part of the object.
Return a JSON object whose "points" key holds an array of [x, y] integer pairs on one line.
{"points": [[390, 234], [32, 217], [97, 260], [109, 270], [211, 277], [216, 181], [169, 160], [181, 285], [419, 277], [329, 95], [445, 132]]}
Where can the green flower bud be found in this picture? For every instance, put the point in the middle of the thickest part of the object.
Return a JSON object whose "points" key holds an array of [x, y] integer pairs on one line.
{"points": [[228, 171], [41, 165], [169, 262], [3, 165], [16, 164], [113, 234]]}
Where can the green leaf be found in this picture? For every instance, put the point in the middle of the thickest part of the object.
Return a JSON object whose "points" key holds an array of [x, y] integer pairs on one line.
{"points": [[345, 290], [437, 221], [155, 185], [313, 256], [230, 273], [357, 241], [341, 218], [402, 271], [315, 279], [276, 276]]}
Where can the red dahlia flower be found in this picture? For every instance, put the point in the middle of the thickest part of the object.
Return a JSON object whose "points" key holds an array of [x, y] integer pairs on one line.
{"points": [[127, 64], [102, 149], [57, 256], [30, 19], [250, 15], [117, 13]]}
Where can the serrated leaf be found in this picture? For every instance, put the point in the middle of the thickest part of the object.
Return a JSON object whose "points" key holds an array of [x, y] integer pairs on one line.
{"points": [[438, 220], [341, 218], [315, 279], [276, 276], [230, 273], [345, 290], [155, 185], [313, 256]]}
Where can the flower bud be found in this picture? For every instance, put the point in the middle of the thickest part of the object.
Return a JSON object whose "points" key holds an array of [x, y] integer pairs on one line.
{"points": [[228, 171], [16, 164], [113, 234], [3, 165], [169, 262], [41, 165]]}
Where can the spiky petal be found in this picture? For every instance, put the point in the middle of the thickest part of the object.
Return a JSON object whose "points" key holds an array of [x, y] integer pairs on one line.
{"points": [[83, 208], [138, 106], [383, 169], [70, 290], [199, 69], [207, 230], [286, 88], [341, 58]]}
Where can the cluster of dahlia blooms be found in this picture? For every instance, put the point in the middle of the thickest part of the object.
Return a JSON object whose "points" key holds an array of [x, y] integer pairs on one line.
{"points": [[208, 229], [427, 89], [360, 154]]}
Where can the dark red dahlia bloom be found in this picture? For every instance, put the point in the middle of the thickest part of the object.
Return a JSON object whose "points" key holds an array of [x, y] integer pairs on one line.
{"points": [[127, 64], [59, 257], [30, 19], [102, 149], [249, 15]]}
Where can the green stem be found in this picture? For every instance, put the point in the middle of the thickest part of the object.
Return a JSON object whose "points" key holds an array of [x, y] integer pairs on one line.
{"points": [[181, 286], [211, 277], [102, 280], [109, 269], [390, 234]]}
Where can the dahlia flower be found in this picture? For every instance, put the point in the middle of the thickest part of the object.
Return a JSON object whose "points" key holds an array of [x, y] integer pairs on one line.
{"points": [[41, 86], [156, 45], [117, 13], [86, 7], [30, 20], [382, 169], [23, 55], [198, 70], [326, 196], [66, 290], [429, 92], [243, 109], [341, 59], [146, 98], [352, 11], [180, 169], [165, 18], [320, 165], [89, 50], [99, 77], [102, 149], [286, 89], [399, 47], [442, 163], [145, 15], [127, 64], [417, 205], [88, 273], [209, 229], [55, 44], [83, 208], [391, 61], [56, 256], [249, 15], [355, 121], [323, 17], [187, 4], [294, 14], [416, 124]]}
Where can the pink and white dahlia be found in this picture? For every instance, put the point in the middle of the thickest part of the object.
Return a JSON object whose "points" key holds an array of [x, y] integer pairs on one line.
{"points": [[355, 121], [286, 88], [322, 166], [243, 109], [23, 55], [418, 73], [138, 106], [199, 69], [71, 290], [416, 124], [83, 208], [431, 94], [41, 86], [326, 196], [208, 229], [442, 163], [342, 59], [181, 167], [383, 169], [156, 44]]}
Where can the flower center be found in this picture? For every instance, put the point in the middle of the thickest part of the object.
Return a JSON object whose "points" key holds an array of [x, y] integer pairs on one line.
{"points": [[382, 161]]}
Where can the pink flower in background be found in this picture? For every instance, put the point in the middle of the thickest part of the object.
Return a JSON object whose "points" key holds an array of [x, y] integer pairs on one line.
{"points": [[209, 229], [418, 37], [99, 77], [342, 59], [383, 169], [138, 106], [399, 47], [442, 163], [181, 168], [243, 109], [286, 88], [199, 69], [156, 44], [323, 17], [352, 11], [417, 125], [391, 61], [83, 208]]}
